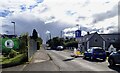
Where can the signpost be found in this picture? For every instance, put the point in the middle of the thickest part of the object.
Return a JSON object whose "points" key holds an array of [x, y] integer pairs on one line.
{"points": [[77, 33]]}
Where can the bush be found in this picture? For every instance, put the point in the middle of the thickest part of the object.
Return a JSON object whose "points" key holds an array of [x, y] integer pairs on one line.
{"points": [[19, 59], [12, 53]]}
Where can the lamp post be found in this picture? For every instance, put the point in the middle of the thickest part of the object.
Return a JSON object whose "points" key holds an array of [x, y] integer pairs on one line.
{"points": [[50, 35], [14, 26], [78, 26], [61, 33]]}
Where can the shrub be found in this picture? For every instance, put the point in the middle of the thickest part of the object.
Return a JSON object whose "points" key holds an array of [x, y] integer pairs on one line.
{"points": [[12, 53], [19, 59]]}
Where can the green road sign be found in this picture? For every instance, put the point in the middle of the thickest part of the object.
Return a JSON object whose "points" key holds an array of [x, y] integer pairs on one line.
{"points": [[9, 43]]}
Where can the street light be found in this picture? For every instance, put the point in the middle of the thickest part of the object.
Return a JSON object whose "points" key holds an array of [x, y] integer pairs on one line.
{"points": [[14, 26], [78, 26], [61, 33]]}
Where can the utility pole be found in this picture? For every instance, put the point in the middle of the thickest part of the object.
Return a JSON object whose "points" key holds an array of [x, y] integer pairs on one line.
{"points": [[61, 33], [14, 26], [78, 26], [50, 35]]}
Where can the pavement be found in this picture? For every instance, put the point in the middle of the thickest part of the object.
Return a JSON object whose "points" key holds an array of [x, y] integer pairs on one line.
{"points": [[39, 62], [40, 56]]}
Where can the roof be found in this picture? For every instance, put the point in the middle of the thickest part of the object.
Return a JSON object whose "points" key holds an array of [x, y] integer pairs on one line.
{"points": [[9, 36], [87, 37], [107, 37], [110, 37]]}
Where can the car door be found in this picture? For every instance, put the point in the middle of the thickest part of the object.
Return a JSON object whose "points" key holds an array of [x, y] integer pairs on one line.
{"points": [[89, 52], [117, 58]]}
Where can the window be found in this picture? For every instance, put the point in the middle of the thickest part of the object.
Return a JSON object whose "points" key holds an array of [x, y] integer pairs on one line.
{"points": [[108, 38], [96, 40]]}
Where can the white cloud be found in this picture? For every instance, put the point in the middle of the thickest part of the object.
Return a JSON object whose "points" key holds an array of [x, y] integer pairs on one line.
{"points": [[56, 15], [47, 32]]}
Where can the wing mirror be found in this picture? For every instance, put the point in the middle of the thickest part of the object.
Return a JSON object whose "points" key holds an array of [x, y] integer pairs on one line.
{"points": [[86, 51], [118, 51]]}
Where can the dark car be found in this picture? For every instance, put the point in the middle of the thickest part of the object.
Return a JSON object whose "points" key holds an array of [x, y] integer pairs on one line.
{"points": [[114, 58], [59, 47], [95, 53]]}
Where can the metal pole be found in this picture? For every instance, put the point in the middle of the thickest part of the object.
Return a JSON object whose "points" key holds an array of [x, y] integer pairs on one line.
{"points": [[14, 27], [61, 34], [50, 35], [78, 26]]}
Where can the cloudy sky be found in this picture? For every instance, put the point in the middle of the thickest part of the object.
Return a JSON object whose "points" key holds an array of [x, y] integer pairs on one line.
{"points": [[54, 16]]}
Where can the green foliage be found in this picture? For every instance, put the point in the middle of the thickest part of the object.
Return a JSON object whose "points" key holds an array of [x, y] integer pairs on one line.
{"points": [[71, 44], [67, 42], [12, 53], [34, 34], [14, 61], [23, 43], [56, 41], [39, 40]]}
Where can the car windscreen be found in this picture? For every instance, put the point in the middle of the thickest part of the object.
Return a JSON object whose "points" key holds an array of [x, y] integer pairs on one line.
{"points": [[99, 50]]}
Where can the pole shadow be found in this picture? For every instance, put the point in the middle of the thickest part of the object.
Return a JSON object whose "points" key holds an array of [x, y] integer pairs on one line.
{"points": [[69, 59]]}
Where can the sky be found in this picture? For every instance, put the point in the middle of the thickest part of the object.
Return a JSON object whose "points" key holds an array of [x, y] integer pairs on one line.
{"points": [[56, 16]]}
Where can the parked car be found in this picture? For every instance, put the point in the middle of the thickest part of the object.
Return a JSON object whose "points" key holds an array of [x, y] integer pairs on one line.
{"points": [[59, 47], [114, 58], [95, 53]]}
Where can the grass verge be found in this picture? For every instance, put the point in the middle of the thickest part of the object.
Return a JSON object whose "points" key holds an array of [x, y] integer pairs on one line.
{"points": [[19, 59]]}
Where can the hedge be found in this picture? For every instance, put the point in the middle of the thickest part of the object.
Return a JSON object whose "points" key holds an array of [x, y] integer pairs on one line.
{"points": [[19, 59]]}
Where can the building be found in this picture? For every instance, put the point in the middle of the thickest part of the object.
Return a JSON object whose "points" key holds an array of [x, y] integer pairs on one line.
{"points": [[111, 39], [91, 40], [97, 40], [8, 36]]}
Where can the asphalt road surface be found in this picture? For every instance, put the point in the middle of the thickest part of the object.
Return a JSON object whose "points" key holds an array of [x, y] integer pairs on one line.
{"points": [[67, 63]]}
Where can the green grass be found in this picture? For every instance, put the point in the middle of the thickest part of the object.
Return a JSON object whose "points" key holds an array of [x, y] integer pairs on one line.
{"points": [[2, 58], [13, 61]]}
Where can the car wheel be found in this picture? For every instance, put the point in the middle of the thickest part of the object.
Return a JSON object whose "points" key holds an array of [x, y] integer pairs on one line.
{"points": [[91, 58], [104, 59], [84, 57], [111, 62]]}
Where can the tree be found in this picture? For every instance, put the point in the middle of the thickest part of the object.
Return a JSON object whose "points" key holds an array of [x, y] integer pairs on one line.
{"points": [[23, 43], [34, 34], [56, 41]]}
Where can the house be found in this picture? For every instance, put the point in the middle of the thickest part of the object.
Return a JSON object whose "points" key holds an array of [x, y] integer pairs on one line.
{"points": [[98, 40], [111, 39], [91, 40], [8, 36]]}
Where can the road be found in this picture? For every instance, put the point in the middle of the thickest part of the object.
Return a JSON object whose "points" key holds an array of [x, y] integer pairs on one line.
{"points": [[62, 61], [67, 63]]}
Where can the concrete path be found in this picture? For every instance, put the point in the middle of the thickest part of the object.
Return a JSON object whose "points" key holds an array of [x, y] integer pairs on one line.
{"points": [[40, 56], [40, 62]]}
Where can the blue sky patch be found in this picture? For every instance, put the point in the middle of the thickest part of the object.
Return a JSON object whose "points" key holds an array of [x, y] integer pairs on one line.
{"points": [[39, 1], [4, 13], [32, 6], [23, 7]]}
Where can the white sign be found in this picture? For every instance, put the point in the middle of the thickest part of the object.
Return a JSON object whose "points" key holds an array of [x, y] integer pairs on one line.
{"points": [[9, 43]]}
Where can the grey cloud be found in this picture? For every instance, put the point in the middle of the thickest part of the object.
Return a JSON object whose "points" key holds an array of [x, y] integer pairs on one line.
{"points": [[79, 18], [109, 14], [24, 25]]}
